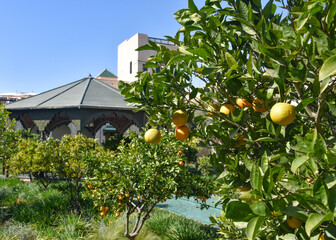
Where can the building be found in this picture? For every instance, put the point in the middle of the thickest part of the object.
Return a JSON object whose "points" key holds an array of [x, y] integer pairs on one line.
{"points": [[87, 106], [130, 61], [109, 78], [6, 98]]}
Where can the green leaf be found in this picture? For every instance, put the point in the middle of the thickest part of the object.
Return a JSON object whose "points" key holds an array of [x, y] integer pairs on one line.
{"points": [[320, 191], [328, 68], [315, 220], [265, 139], [332, 108], [253, 227], [192, 7], [298, 161], [303, 104], [330, 232], [259, 208], [256, 178], [268, 182], [231, 60], [332, 200], [267, 11], [297, 212], [302, 20], [264, 162], [238, 211], [330, 180]]}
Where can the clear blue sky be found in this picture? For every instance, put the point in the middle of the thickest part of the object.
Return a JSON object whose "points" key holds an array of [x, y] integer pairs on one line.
{"points": [[48, 43]]}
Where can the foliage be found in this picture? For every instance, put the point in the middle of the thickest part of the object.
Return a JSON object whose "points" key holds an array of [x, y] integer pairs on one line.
{"points": [[30, 213], [139, 176], [7, 134], [36, 157], [243, 50], [113, 142], [70, 165]]}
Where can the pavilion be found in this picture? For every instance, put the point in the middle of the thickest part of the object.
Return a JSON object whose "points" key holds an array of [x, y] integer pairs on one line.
{"points": [[87, 106]]}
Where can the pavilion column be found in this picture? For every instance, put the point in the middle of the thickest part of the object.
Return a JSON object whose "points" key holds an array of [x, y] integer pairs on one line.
{"points": [[77, 123], [41, 125]]}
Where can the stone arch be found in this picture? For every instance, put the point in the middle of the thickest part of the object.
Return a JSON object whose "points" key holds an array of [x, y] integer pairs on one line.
{"points": [[102, 133], [26, 121], [60, 131], [132, 127], [58, 120], [121, 123]]}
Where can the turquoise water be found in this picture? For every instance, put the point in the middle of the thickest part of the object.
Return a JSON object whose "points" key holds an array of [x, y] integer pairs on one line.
{"points": [[191, 209]]}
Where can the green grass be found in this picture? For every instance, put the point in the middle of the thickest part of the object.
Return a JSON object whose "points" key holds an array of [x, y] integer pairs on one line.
{"points": [[28, 213]]}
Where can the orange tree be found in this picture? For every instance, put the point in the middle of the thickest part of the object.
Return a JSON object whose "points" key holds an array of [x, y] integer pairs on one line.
{"points": [[35, 157], [139, 176], [279, 179], [70, 165], [7, 134]]}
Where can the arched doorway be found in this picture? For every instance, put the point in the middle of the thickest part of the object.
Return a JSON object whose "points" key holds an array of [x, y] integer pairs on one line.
{"points": [[105, 131]]}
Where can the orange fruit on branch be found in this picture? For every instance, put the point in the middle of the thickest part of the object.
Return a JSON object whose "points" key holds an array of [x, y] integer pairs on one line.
{"points": [[293, 222], [180, 118], [153, 136], [242, 103], [182, 133], [226, 109], [181, 163], [259, 105], [282, 113], [117, 214]]}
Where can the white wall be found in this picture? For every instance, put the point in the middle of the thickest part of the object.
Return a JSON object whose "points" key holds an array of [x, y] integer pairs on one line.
{"points": [[127, 54]]}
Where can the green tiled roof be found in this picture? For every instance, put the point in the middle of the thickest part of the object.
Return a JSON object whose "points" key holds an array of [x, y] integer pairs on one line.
{"points": [[107, 73], [85, 93]]}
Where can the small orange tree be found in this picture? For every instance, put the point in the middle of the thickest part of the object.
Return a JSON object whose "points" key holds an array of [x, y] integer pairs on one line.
{"points": [[240, 49], [7, 135], [70, 164], [139, 176], [36, 157]]}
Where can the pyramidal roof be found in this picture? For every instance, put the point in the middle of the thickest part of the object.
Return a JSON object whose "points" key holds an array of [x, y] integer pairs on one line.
{"points": [[85, 93], [107, 73]]}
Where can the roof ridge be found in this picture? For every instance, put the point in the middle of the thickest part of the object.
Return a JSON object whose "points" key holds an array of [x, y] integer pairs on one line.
{"points": [[67, 89], [109, 86], [86, 89]]}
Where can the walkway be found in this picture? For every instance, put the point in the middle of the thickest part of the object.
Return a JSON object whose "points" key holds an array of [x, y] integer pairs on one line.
{"points": [[191, 209]]}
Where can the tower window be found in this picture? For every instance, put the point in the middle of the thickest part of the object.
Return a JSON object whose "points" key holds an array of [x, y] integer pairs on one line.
{"points": [[130, 67]]}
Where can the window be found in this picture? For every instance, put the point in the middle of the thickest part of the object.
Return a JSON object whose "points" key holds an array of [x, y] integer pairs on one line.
{"points": [[130, 67]]}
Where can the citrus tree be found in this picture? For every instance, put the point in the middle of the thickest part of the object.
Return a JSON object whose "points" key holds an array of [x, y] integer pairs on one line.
{"points": [[70, 165], [266, 108], [7, 134], [139, 176], [35, 157]]}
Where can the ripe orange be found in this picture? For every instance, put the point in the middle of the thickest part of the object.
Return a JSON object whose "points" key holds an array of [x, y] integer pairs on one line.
{"points": [[226, 108], [102, 214], [293, 222], [182, 133], [90, 186], [153, 136], [120, 197], [179, 152], [242, 103], [259, 105], [139, 198], [181, 163], [213, 108], [180, 118], [282, 113], [127, 195], [102, 208], [322, 237], [117, 214], [106, 209]]}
